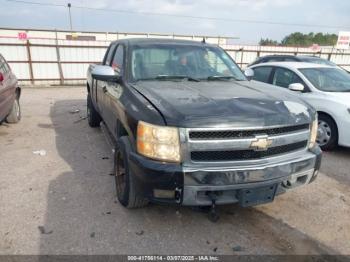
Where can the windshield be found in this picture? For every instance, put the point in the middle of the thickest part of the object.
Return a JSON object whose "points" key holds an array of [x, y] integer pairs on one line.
{"points": [[320, 61], [182, 61], [328, 79]]}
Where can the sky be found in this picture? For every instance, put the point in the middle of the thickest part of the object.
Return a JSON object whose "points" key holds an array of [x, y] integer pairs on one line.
{"points": [[317, 13]]}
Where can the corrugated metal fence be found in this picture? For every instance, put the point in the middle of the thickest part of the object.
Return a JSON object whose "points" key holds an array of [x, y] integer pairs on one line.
{"points": [[40, 61]]}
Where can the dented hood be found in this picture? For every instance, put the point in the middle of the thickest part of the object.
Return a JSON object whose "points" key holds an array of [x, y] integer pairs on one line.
{"points": [[224, 103]]}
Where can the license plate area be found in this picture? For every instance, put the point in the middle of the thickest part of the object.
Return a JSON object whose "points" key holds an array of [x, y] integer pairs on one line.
{"points": [[256, 196]]}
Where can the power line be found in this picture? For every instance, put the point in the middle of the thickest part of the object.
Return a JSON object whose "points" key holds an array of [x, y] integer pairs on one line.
{"points": [[184, 16]]}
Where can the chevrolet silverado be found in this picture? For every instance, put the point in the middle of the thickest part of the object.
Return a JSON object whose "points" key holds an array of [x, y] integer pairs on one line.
{"points": [[191, 129]]}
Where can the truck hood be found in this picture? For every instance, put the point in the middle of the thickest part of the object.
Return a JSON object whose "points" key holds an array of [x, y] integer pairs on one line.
{"points": [[224, 104]]}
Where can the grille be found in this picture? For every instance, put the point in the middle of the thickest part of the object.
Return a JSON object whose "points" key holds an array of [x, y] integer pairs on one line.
{"points": [[227, 134], [245, 154]]}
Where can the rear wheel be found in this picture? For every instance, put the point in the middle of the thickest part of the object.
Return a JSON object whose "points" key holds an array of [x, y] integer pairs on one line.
{"points": [[124, 179], [327, 133], [93, 116], [15, 113]]}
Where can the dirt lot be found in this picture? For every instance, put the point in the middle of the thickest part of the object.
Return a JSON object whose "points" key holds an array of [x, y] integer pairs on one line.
{"points": [[63, 202]]}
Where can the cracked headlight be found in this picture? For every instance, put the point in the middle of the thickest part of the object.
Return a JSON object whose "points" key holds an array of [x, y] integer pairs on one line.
{"points": [[158, 142]]}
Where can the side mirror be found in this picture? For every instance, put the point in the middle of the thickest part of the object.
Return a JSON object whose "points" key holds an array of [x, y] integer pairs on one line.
{"points": [[296, 87], [105, 73], [249, 73], [1, 77]]}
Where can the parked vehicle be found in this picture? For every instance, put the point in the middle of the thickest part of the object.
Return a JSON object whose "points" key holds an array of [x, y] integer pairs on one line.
{"points": [[326, 88], [292, 58], [9, 94], [191, 130]]}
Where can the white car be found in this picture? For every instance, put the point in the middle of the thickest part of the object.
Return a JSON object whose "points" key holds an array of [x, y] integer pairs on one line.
{"points": [[324, 87]]}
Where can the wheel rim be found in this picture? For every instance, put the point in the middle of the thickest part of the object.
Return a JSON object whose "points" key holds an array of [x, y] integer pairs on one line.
{"points": [[324, 133], [120, 176]]}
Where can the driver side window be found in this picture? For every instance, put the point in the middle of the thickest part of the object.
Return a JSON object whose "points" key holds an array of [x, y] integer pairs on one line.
{"points": [[284, 77], [118, 60]]}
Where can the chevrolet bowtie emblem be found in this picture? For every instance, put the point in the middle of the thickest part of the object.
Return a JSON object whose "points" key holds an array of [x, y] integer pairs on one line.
{"points": [[261, 143]]}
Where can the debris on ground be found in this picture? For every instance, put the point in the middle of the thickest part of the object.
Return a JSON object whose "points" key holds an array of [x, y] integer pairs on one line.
{"points": [[111, 174], [105, 157], [215, 249], [237, 248], [41, 152], [139, 233], [74, 111], [81, 119], [44, 231]]}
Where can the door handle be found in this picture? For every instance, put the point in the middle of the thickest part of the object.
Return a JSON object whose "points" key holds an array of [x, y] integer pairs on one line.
{"points": [[104, 89]]}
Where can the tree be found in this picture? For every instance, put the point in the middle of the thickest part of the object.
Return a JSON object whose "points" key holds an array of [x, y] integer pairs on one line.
{"points": [[300, 39], [268, 41], [304, 40]]}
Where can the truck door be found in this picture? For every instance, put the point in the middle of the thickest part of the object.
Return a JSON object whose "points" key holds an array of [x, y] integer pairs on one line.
{"points": [[114, 91], [100, 87]]}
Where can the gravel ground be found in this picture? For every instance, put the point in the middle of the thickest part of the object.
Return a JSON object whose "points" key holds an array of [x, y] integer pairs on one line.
{"points": [[63, 202]]}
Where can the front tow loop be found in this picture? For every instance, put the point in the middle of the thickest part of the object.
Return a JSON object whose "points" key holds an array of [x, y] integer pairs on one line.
{"points": [[213, 214]]}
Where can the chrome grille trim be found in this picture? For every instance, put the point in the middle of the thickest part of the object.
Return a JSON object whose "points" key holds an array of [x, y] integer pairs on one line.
{"points": [[189, 145]]}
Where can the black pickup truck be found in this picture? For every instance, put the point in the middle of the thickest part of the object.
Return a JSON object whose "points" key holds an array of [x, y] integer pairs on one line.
{"points": [[191, 129]]}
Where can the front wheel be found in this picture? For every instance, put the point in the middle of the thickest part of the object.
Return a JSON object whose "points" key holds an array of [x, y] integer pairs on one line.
{"points": [[124, 179], [93, 116], [15, 113], [327, 133]]}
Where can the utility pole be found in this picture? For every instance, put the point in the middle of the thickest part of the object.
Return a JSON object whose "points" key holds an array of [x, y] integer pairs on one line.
{"points": [[70, 17]]}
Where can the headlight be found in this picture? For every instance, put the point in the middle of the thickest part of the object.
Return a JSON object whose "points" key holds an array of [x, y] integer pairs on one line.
{"points": [[158, 142], [313, 135]]}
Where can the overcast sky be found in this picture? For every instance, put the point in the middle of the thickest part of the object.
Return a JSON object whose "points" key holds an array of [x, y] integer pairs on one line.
{"points": [[314, 12]]}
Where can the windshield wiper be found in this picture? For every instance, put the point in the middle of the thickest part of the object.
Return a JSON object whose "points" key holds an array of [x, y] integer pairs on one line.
{"points": [[189, 78], [221, 78], [169, 77]]}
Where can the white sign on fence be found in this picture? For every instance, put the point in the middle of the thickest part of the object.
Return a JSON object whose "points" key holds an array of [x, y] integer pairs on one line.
{"points": [[343, 40]]}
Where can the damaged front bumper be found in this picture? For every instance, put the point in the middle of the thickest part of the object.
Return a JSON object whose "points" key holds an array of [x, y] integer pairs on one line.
{"points": [[247, 185]]}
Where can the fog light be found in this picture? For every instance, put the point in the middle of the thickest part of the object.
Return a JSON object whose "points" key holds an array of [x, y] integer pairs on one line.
{"points": [[160, 193]]}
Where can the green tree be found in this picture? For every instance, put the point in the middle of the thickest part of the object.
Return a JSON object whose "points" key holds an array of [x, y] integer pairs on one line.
{"points": [[268, 41], [304, 40], [300, 39]]}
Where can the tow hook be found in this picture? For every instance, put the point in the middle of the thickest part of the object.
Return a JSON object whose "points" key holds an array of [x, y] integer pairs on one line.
{"points": [[213, 214], [178, 192]]}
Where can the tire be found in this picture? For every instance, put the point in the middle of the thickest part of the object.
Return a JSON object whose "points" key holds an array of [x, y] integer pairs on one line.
{"points": [[327, 135], [93, 116], [124, 179], [15, 113]]}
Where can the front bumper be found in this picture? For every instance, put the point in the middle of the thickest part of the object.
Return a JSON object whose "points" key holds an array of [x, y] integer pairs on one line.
{"points": [[188, 185]]}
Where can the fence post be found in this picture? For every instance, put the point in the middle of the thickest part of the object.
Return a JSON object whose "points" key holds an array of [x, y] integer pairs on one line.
{"points": [[330, 54], [30, 62], [242, 53], [59, 61]]}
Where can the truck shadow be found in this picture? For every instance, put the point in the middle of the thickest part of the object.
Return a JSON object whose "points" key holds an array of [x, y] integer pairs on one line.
{"points": [[82, 216]]}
